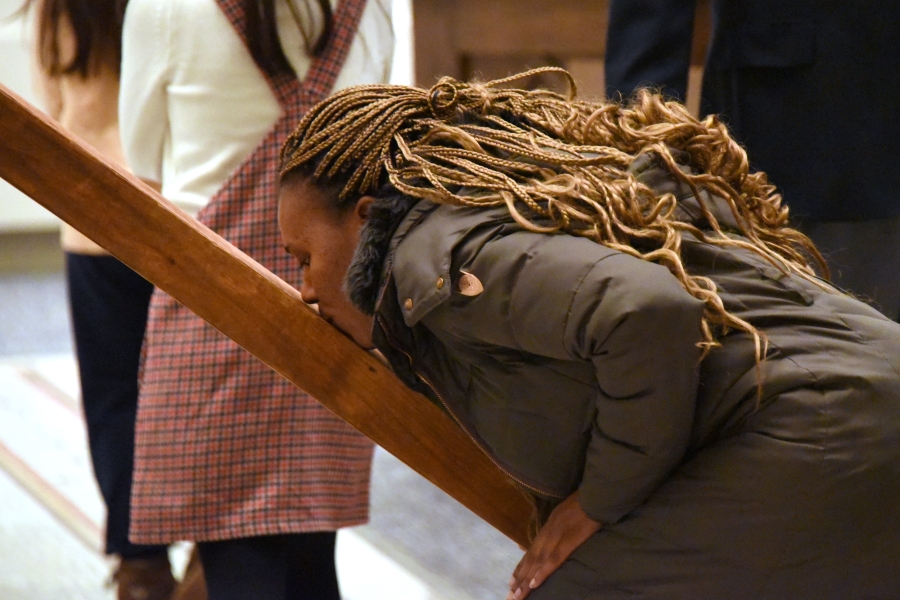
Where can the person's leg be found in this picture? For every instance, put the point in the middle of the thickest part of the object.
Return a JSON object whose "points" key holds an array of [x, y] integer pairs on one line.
{"points": [[245, 568], [278, 567], [108, 303], [864, 258], [311, 570]]}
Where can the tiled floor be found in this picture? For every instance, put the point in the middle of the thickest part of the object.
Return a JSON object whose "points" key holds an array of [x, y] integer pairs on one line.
{"points": [[41, 559], [50, 547]]}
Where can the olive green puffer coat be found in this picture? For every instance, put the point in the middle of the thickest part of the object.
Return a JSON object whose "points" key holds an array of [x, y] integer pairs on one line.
{"points": [[576, 367]]}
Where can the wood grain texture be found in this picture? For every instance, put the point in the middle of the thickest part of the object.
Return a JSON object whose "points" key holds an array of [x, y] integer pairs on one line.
{"points": [[491, 39], [436, 51], [497, 27], [250, 305]]}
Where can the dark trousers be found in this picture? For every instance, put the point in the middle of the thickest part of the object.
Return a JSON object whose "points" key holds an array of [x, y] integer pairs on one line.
{"points": [[864, 258], [108, 303], [296, 566]]}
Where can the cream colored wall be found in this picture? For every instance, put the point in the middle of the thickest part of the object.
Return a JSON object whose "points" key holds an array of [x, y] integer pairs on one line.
{"points": [[18, 213]]}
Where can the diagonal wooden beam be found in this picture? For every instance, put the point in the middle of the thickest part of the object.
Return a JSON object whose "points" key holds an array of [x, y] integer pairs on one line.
{"points": [[250, 305]]}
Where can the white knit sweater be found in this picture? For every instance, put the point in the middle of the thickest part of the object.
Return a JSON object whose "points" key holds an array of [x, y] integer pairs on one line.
{"points": [[193, 104]]}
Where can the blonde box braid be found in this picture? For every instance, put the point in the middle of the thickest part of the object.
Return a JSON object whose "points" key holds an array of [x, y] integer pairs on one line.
{"points": [[558, 164]]}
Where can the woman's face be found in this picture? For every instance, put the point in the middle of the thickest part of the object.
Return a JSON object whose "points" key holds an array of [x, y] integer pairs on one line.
{"points": [[323, 241]]}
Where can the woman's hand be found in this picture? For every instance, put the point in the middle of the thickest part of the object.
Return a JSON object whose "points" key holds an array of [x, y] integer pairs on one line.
{"points": [[567, 528]]}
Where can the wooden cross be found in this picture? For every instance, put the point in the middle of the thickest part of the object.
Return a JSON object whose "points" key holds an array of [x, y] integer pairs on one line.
{"points": [[250, 305]]}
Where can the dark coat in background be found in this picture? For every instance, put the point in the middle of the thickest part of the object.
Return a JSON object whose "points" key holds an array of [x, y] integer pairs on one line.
{"points": [[576, 368], [810, 87]]}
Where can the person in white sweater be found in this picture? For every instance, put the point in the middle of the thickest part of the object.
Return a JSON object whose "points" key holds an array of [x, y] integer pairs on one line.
{"points": [[257, 472], [194, 102]]}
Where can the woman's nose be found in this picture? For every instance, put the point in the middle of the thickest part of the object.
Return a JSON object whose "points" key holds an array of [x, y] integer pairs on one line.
{"points": [[307, 293]]}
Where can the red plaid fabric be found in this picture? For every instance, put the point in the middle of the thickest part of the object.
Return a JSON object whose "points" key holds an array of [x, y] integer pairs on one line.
{"points": [[226, 448]]}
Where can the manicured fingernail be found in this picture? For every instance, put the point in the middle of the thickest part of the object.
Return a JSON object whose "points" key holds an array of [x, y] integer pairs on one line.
{"points": [[518, 594], [533, 583]]}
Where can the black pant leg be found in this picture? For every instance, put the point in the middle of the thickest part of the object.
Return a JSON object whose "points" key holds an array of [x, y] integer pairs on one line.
{"points": [[108, 304], [312, 574], [277, 567]]}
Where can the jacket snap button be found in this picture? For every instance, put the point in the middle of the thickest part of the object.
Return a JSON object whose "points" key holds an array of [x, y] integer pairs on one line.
{"points": [[469, 285], [440, 283], [408, 304]]}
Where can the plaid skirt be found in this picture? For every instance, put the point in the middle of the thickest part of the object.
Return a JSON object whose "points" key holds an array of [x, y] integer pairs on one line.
{"points": [[226, 448]]}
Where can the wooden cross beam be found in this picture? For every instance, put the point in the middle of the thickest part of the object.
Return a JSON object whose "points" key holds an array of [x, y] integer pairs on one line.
{"points": [[250, 305]]}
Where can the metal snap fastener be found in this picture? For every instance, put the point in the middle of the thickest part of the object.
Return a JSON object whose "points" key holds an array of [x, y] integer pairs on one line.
{"points": [[408, 304], [440, 283], [469, 285]]}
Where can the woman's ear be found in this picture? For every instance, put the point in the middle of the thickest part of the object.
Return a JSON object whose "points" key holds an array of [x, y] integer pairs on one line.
{"points": [[363, 207]]}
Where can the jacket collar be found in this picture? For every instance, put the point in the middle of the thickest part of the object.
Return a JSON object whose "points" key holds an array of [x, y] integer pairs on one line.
{"points": [[415, 237], [433, 230], [422, 249], [366, 273]]}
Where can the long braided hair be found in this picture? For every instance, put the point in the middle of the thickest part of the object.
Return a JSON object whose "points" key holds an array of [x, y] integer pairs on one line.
{"points": [[559, 164]]}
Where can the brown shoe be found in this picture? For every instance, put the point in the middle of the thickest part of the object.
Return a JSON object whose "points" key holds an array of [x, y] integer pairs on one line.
{"points": [[144, 579], [193, 584]]}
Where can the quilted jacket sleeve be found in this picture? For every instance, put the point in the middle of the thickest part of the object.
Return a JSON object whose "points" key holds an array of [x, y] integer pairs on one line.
{"points": [[569, 298], [639, 327]]}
